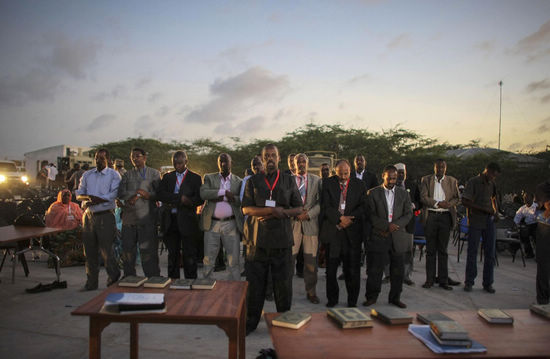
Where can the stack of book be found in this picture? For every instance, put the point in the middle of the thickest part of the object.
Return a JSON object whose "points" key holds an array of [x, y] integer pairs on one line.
{"points": [[293, 320], [193, 284], [392, 316], [541, 309], [495, 316], [132, 281], [134, 303], [450, 333], [350, 318], [157, 282], [429, 317]]}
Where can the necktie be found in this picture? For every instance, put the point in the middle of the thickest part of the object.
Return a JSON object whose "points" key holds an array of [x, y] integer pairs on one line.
{"points": [[302, 187]]}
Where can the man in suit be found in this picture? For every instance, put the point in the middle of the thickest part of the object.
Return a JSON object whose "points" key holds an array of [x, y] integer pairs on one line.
{"points": [[439, 195], [390, 210], [221, 217], [305, 227], [179, 190], [343, 200], [270, 200]]}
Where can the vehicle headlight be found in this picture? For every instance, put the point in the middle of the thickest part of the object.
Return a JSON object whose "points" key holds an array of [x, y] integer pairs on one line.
{"points": [[24, 179], [2, 178]]}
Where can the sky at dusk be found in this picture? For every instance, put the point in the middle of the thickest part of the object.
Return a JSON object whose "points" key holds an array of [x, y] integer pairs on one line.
{"points": [[88, 72]]}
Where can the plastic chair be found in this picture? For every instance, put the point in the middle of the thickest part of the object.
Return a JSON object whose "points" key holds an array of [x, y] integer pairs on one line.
{"points": [[419, 239]]}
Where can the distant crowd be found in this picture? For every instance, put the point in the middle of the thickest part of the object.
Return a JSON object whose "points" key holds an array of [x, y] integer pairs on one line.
{"points": [[291, 221]]}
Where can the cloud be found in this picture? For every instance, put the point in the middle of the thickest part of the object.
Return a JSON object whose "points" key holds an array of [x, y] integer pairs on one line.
{"points": [[403, 40], [36, 85], [144, 122], [154, 97], [538, 85], [545, 99], [516, 146], [163, 111], [535, 45], [143, 82], [249, 126], [113, 94], [73, 57], [485, 46], [100, 122], [536, 145], [234, 95], [358, 79], [544, 126]]}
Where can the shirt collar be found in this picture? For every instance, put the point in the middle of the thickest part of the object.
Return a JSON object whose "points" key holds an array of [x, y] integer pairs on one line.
{"points": [[181, 174], [389, 190], [439, 181], [226, 178]]}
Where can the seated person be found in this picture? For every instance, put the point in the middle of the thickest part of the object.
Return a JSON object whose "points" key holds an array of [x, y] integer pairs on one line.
{"points": [[63, 213]]}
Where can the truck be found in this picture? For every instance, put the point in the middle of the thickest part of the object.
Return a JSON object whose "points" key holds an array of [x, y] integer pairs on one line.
{"points": [[317, 158]]}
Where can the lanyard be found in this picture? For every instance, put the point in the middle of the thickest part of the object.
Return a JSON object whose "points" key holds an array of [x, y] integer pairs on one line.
{"points": [[144, 174], [271, 188], [344, 190], [178, 183]]}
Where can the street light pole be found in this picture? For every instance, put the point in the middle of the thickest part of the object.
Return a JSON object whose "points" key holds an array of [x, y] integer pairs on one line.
{"points": [[500, 115]]}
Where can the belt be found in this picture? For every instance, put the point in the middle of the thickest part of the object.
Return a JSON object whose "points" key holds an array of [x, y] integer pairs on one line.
{"points": [[438, 212], [223, 219], [99, 213]]}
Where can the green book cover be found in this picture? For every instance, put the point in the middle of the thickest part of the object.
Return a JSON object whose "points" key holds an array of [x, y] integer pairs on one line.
{"points": [[392, 315], [495, 316], [429, 317], [541, 309], [350, 317], [449, 330], [203, 283], [181, 283], [132, 281], [157, 282], [293, 320]]}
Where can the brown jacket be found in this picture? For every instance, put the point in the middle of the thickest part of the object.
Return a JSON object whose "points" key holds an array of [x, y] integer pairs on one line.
{"points": [[450, 187]]}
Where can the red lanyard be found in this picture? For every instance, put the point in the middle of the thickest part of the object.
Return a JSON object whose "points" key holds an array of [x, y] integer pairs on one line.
{"points": [[344, 190], [178, 183], [271, 188]]}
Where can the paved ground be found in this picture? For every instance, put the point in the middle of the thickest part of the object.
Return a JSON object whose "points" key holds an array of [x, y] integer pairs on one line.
{"points": [[40, 325]]}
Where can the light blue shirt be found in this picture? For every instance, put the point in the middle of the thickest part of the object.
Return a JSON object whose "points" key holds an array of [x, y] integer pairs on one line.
{"points": [[102, 184], [179, 181]]}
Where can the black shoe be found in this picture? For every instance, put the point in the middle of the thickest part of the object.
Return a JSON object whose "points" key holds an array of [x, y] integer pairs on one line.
{"points": [[243, 273], [350, 305], [369, 302], [341, 277], [427, 285], [269, 297], [313, 299], [39, 288], [331, 304], [446, 286], [398, 303], [529, 256], [59, 285], [407, 281], [87, 288], [112, 281], [300, 274], [467, 288], [386, 280], [489, 289], [219, 268], [452, 282]]}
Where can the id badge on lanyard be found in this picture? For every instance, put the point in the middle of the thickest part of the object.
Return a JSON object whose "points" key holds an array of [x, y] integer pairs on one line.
{"points": [[270, 202]]}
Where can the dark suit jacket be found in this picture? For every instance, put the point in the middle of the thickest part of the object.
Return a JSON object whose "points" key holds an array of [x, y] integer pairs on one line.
{"points": [[377, 208], [414, 195], [355, 206], [368, 177], [186, 215]]}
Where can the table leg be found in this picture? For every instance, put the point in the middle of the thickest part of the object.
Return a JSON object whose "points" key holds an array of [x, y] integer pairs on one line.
{"points": [[96, 327], [134, 339], [232, 332], [242, 332]]}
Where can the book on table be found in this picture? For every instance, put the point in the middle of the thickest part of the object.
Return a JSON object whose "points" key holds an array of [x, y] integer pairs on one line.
{"points": [[203, 283], [132, 281], [293, 320], [157, 282], [350, 318], [181, 283], [467, 343], [449, 330], [128, 303], [392, 315], [495, 316], [429, 317], [424, 334], [541, 309]]}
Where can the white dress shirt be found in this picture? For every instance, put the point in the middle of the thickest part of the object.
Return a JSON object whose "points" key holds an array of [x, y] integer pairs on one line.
{"points": [[390, 197]]}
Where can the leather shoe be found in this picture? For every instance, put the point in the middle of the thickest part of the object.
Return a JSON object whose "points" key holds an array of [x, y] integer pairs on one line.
{"points": [[427, 285], [386, 280], [87, 288], [398, 303], [112, 281], [467, 288], [489, 289], [407, 281], [446, 286], [331, 304], [369, 302], [452, 282], [351, 305], [313, 299], [341, 277]]}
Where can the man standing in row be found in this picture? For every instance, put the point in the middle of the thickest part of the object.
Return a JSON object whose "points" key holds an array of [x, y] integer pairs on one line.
{"points": [[138, 189], [97, 190], [305, 226], [439, 195], [480, 199], [179, 190], [270, 200], [221, 217], [389, 209], [343, 200]]}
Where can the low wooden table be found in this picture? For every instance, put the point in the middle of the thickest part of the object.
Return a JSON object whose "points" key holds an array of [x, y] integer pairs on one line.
{"points": [[10, 236], [529, 337], [223, 306]]}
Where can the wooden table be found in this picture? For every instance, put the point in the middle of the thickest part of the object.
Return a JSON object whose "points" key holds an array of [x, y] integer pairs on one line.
{"points": [[11, 236], [529, 337], [223, 306]]}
